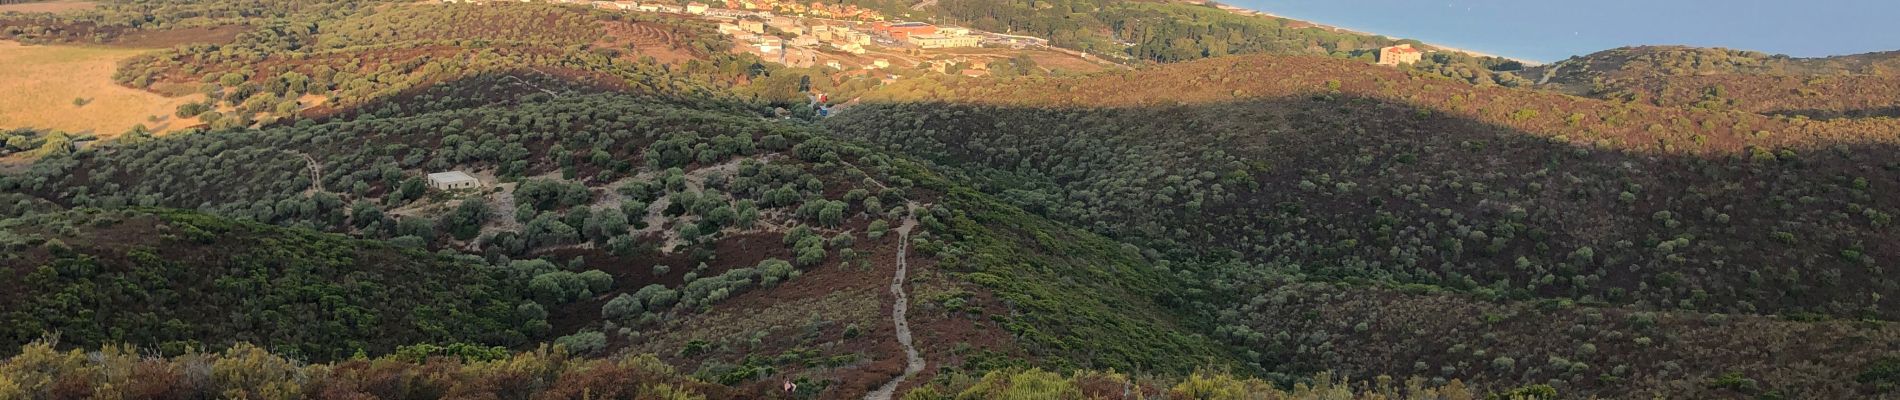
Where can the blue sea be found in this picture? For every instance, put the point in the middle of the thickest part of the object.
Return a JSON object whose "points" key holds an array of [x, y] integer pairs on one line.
{"points": [[1546, 30]]}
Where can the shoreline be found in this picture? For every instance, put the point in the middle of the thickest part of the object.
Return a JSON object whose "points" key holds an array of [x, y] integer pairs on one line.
{"points": [[1335, 28]]}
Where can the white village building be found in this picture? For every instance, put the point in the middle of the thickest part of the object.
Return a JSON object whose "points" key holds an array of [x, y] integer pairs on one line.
{"points": [[453, 180]]}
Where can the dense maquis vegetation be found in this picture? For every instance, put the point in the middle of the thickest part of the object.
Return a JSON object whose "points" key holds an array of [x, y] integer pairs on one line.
{"points": [[1079, 299], [1416, 232], [273, 71], [438, 134], [1855, 86], [38, 143], [41, 370], [1302, 322], [176, 280], [598, 195], [366, 184], [115, 21], [627, 147], [243, 371], [655, 192], [1253, 172], [1630, 62]]}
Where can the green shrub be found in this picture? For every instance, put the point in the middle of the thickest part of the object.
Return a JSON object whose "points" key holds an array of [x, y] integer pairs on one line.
{"points": [[1736, 382], [586, 342], [597, 281], [1532, 392], [1883, 373], [621, 308], [464, 351], [1503, 363]]}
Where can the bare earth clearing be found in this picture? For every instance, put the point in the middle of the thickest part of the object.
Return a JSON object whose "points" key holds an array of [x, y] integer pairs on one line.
{"points": [[43, 83]]}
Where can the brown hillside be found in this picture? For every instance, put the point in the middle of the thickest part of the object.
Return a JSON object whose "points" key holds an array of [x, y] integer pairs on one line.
{"points": [[599, 180], [1315, 146], [274, 71], [1581, 121], [1652, 61], [1855, 86], [1584, 351]]}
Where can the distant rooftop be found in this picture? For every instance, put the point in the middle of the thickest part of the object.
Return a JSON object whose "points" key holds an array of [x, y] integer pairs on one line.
{"points": [[451, 177]]}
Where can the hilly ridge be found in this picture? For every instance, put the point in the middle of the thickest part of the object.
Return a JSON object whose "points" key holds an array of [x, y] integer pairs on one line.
{"points": [[1854, 86], [710, 201], [175, 280], [1252, 211], [1264, 172]]}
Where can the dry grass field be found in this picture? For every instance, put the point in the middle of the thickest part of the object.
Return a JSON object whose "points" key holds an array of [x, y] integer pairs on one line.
{"points": [[1048, 60], [58, 6], [43, 85]]}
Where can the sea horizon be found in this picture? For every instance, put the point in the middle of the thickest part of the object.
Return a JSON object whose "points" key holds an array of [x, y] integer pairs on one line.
{"points": [[1528, 32]]}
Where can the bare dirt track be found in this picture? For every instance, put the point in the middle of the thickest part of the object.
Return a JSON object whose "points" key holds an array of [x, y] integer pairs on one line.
{"points": [[914, 363]]}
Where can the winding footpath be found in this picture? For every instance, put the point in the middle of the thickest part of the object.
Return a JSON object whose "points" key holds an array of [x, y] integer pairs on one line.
{"points": [[915, 362], [1559, 66], [316, 172]]}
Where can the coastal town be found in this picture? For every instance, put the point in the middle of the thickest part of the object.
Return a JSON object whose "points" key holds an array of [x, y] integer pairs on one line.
{"points": [[857, 40], [848, 37]]}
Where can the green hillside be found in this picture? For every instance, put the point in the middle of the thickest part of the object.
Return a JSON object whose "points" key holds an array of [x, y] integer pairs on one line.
{"points": [[1331, 211], [686, 208], [177, 280], [1852, 86], [378, 199]]}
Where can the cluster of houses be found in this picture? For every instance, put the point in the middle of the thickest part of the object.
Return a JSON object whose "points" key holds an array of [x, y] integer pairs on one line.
{"points": [[628, 5], [770, 29], [762, 36], [926, 36], [965, 66], [733, 8], [796, 41], [813, 9]]}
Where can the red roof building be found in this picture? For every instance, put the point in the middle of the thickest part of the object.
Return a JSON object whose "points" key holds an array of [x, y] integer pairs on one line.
{"points": [[1400, 54], [903, 30]]}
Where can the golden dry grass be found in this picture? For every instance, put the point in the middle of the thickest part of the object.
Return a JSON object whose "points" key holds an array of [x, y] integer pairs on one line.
{"points": [[58, 6], [40, 84], [1047, 59]]}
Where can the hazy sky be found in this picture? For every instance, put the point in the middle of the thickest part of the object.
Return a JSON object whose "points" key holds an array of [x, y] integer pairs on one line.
{"points": [[1550, 30]]}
